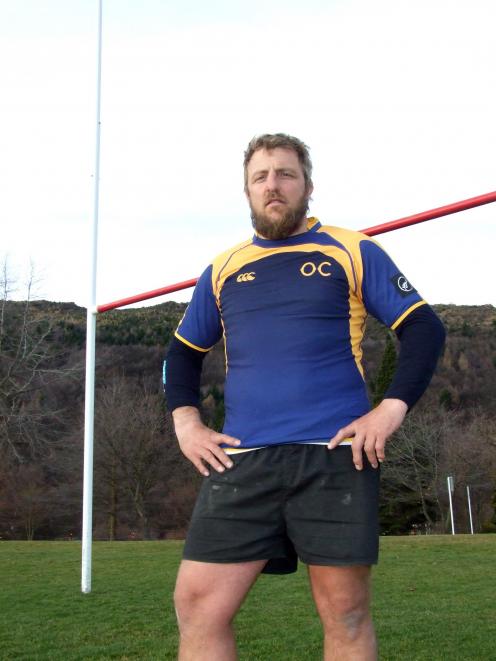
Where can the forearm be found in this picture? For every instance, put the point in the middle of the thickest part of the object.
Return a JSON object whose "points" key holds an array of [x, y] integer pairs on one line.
{"points": [[183, 368], [421, 338]]}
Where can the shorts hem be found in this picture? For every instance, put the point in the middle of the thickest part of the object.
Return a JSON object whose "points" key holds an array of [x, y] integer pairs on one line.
{"points": [[340, 563], [216, 561], [317, 563]]}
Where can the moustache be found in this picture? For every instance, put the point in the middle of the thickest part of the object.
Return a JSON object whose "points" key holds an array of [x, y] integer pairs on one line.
{"points": [[270, 197]]}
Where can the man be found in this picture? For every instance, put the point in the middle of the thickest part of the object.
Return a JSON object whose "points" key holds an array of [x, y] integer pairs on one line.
{"points": [[295, 471]]}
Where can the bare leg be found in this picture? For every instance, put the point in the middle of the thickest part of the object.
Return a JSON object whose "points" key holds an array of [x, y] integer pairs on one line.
{"points": [[342, 597], [207, 597]]}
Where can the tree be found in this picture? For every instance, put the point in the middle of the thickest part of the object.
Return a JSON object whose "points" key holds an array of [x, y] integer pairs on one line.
{"points": [[24, 500], [470, 457], [213, 408], [135, 454], [385, 373], [430, 445], [38, 381], [408, 476], [29, 420]]}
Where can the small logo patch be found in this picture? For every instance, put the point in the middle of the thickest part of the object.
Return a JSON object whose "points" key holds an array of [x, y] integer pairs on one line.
{"points": [[245, 277], [402, 284]]}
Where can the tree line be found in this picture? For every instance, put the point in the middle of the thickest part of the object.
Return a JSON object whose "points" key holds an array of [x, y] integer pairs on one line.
{"points": [[144, 488]]}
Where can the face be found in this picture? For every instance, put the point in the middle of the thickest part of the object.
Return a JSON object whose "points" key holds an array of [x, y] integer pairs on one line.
{"points": [[277, 193]]}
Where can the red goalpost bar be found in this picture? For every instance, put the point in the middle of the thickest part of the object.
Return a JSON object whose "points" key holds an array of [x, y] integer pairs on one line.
{"points": [[438, 212], [448, 209], [149, 294]]}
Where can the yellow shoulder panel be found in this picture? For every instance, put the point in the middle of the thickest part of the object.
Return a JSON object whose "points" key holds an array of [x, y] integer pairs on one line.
{"points": [[223, 263]]}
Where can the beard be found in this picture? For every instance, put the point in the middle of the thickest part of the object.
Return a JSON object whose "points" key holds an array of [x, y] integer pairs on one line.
{"points": [[275, 230]]}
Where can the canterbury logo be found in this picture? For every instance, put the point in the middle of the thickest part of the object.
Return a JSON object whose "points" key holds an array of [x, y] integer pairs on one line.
{"points": [[244, 277], [309, 268]]}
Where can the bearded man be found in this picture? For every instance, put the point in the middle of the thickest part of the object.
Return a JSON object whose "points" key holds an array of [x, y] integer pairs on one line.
{"points": [[295, 473]]}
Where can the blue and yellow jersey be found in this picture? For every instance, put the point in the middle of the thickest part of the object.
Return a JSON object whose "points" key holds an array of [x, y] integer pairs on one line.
{"points": [[292, 314]]}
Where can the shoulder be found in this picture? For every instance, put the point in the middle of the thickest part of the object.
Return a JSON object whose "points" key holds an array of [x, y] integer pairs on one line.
{"points": [[357, 245], [223, 257], [350, 239], [229, 261]]}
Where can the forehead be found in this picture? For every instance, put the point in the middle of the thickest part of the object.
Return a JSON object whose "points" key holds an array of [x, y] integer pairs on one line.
{"points": [[280, 157]]}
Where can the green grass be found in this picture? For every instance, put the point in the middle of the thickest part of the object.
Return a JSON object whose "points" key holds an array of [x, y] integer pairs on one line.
{"points": [[434, 599]]}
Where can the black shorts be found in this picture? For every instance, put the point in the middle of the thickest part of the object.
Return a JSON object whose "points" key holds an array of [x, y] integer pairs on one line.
{"points": [[288, 501]]}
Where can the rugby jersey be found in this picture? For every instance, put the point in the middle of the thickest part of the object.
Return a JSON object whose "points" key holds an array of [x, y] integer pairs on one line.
{"points": [[292, 313]]}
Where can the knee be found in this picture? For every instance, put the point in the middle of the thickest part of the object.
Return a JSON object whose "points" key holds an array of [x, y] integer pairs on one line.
{"points": [[187, 601], [345, 615], [351, 618], [197, 607]]}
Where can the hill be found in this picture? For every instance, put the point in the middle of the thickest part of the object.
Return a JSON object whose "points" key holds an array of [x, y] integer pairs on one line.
{"points": [[144, 487]]}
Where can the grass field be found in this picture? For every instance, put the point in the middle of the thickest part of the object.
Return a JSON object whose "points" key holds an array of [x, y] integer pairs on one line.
{"points": [[434, 598]]}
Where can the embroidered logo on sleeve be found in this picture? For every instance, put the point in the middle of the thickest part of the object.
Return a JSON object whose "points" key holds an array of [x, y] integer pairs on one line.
{"points": [[402, 285]]}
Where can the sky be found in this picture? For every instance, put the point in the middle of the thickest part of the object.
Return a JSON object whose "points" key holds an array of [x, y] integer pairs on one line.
{"points": [[396, 99]]}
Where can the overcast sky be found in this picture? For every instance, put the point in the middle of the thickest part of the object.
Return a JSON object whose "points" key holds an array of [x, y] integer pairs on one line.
{"points": [[396, 99]]}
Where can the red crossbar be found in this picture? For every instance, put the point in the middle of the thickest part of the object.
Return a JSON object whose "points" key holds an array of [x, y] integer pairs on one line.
{"points": [[448, 209], [149, 294], [430, 215]]}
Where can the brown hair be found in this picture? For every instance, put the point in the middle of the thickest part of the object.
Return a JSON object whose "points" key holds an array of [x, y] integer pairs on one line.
{"points": [[271, 141]]}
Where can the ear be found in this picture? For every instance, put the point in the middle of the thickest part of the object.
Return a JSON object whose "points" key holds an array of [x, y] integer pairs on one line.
{"points": [[309, 189]]}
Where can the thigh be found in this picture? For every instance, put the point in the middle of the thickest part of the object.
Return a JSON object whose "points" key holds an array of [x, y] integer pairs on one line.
{"points": [[340, 589], [214, 590], [332, 514]]}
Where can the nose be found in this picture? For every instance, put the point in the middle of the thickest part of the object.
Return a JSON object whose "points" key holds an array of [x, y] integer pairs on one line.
{"points": [[271, 180]]}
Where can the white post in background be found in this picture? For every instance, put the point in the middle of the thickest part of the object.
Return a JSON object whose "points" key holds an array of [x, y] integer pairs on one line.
{"points": [[87, 534], [451, 487], [470, 511]]}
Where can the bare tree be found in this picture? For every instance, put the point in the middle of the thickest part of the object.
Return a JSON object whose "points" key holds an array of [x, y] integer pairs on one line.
{"points": [[28, 367], [410, 476], [24, 500], [431, 445], [133, 459], [471, 459]]}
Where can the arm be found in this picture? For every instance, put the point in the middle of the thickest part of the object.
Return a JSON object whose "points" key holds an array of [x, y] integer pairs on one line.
{"points": [[198, 443], [421, 336]]}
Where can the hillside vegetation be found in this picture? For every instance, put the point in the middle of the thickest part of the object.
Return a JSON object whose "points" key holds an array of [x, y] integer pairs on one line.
{"points": [[144, 488]]}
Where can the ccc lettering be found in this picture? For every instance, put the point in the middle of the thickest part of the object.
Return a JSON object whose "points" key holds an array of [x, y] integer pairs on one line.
{"points": [[245, 277], [309, 268]]}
